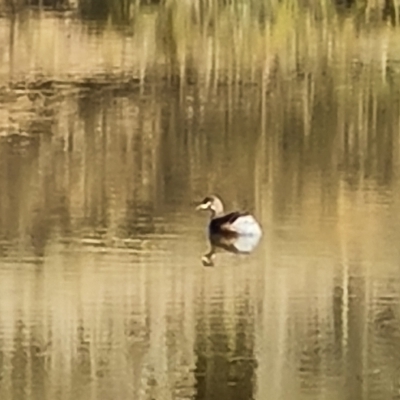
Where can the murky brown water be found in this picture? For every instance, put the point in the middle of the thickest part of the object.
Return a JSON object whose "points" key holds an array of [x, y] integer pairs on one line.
{"points": [[102, 291]]}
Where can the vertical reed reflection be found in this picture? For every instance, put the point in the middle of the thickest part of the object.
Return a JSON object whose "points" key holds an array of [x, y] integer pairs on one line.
{"points": [[295, 117], [225, 366]]}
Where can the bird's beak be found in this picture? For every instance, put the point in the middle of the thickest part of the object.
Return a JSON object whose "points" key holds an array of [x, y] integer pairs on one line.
{"points": [[203, 206]]}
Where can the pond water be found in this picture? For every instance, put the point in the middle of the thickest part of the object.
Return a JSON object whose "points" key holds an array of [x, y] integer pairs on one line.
{"points": [[111, 134]]}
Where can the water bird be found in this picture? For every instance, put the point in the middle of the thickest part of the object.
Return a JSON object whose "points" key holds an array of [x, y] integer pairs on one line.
{"points": [[235, 223], [237, 232]]}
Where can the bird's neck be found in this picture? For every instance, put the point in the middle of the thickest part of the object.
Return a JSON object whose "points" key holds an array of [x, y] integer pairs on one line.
{"points": [[216, 213]]}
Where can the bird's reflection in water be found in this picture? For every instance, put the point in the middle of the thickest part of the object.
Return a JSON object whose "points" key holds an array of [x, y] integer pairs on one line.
{"points": [[236, 244]]}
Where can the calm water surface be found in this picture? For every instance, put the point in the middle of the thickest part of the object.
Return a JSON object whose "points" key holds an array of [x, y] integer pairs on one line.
{"points": [[103, 294]]}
